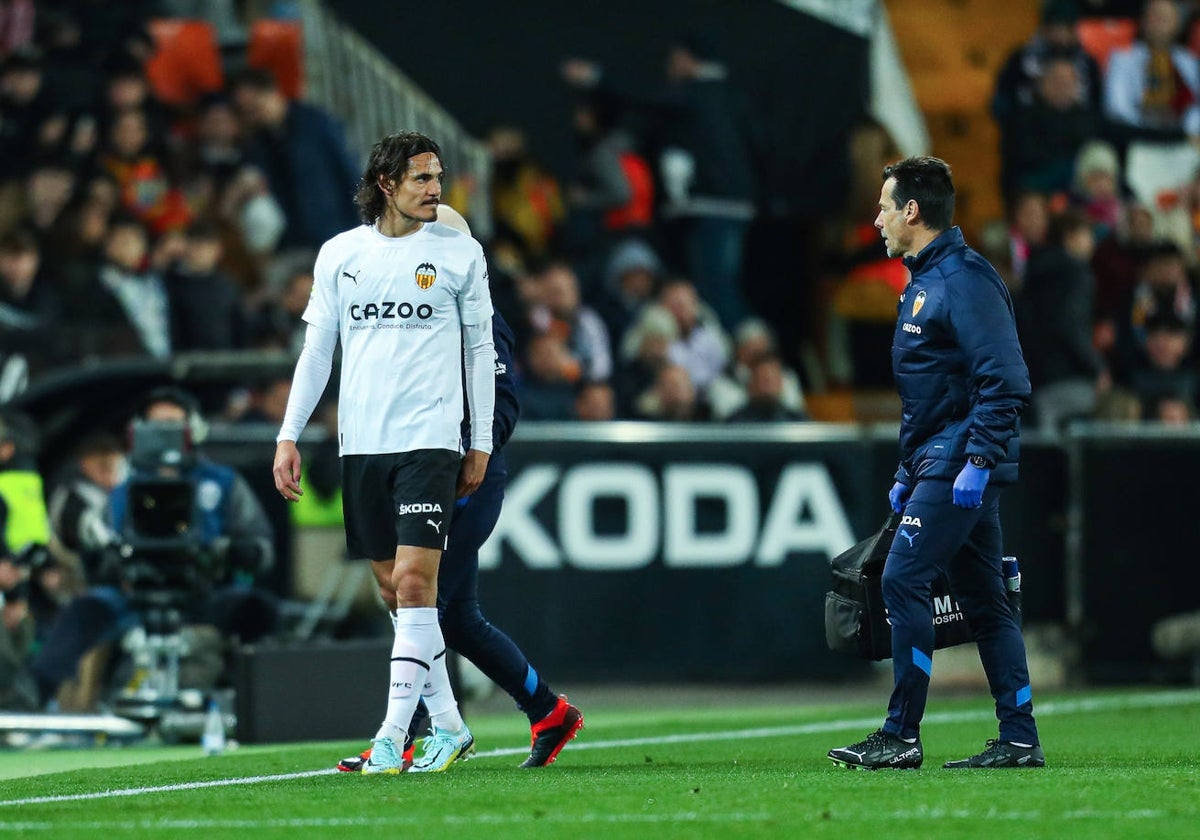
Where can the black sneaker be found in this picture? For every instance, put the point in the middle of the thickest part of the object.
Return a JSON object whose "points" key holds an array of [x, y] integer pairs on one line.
{"points": [[549, 735], [1001, 754], [879, 751]]}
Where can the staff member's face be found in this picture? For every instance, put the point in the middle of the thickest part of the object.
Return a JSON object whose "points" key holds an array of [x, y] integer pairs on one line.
{"points": [[892, 221], [418, 193]]}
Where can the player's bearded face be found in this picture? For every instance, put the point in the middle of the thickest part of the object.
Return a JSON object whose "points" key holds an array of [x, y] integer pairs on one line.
{"points": [[418, 193]]}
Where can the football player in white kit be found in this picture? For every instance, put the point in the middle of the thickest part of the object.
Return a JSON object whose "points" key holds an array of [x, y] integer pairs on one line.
{"points": [[408, 298]]}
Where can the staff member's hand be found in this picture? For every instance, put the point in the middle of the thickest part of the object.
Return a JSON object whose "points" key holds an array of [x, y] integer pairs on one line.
{"points": [[470, 474], [287, 470], [969, 486], [898, 496]]}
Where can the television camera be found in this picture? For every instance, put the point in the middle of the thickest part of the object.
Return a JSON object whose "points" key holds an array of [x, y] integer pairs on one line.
{"points": [[166, 562]]}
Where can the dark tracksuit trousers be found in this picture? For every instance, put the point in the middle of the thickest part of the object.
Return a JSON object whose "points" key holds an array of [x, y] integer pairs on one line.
{"points": [[968, 545], [464, 627]]}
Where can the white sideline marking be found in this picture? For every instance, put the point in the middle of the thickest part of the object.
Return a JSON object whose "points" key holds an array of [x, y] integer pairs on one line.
{"points": [[1061, 707], [920, 814]]}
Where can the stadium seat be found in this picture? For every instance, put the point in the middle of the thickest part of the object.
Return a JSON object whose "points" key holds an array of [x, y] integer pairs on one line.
{"points": [[186, 63], [278, 46], [1100, 36]]}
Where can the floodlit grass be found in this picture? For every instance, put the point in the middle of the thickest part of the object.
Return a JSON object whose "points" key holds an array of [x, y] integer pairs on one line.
{"points": [[1121, 765]]}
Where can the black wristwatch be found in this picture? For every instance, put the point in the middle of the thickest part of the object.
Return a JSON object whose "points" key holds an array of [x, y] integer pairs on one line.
{"points": [[979, 461]]}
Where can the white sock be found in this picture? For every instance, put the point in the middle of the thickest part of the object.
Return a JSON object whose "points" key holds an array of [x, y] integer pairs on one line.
{"points": [[418, 638], [392, 616], [439, 696]]}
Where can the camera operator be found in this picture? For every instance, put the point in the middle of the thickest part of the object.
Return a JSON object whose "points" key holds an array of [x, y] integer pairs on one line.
{"points": [[79, 512], [232, 542], [24, 532]]}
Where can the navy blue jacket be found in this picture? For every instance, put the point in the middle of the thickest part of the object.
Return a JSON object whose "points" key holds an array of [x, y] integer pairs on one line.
{"points": [[958, 365], [504, 418]]}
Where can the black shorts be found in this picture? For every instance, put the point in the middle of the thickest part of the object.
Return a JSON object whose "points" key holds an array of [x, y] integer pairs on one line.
{"points": [[401, 499]]}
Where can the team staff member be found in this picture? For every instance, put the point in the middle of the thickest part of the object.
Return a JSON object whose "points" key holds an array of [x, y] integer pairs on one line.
{"points": [[963, 384], [408, 299]]}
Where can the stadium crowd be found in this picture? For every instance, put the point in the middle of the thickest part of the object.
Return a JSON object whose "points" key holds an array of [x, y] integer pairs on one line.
{"points": [[135, 228]]}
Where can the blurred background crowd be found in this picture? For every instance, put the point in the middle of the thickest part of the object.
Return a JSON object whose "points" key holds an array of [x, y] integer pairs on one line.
{"points": [[164, 186]]}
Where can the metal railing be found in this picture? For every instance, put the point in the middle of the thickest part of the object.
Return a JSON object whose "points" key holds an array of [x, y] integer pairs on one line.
{"points": [[347, 75]]}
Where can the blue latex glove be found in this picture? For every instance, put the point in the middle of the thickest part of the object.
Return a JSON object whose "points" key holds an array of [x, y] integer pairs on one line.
{"points": [[969, 486], [898, 495]]}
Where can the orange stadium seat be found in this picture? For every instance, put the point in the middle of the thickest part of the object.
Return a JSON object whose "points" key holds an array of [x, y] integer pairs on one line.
{"points": [[186, 63], [1100, 36], [278, 46]]}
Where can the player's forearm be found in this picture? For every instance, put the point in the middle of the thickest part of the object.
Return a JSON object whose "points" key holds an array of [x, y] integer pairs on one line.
{"points": [[479, 359], [308, 383]]}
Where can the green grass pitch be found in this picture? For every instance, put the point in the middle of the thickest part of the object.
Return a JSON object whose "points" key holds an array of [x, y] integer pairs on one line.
{"points": [[1121, 764]]}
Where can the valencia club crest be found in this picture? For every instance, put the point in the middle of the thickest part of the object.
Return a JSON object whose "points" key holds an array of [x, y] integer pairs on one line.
{"points": [[426, 275]]}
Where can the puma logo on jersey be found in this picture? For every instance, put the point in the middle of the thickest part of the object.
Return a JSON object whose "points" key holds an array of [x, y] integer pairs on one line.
{"points": [[353, 276], [437, 526]]}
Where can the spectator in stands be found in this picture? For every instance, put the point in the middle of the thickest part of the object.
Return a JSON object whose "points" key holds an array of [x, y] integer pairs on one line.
{"points": [[279, 322], [1151, 88], [268, 402], [50, 185], [701, 347], [527, 203], [1040, 140], [1096, 188], [1055, 319], [1117, 263], [223, 184], [17, 18], [595, 401], [550, 377], [217, 152], [206, 305], [645, 348], [673, 396], [140, 169], [29, 112], [707, 164], [1162, 377], [127, 310], [561, 312], [1030, 215], [612, 193], [765, 394], [29, 306], [1017, 84], [303, 153], [70, 73], [127, 88], [730, 392], [631, 279], [75, 246], [1164, 290]]}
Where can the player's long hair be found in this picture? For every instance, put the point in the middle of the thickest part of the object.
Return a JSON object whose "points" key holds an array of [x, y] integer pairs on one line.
{"points": [[389, 158]]}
